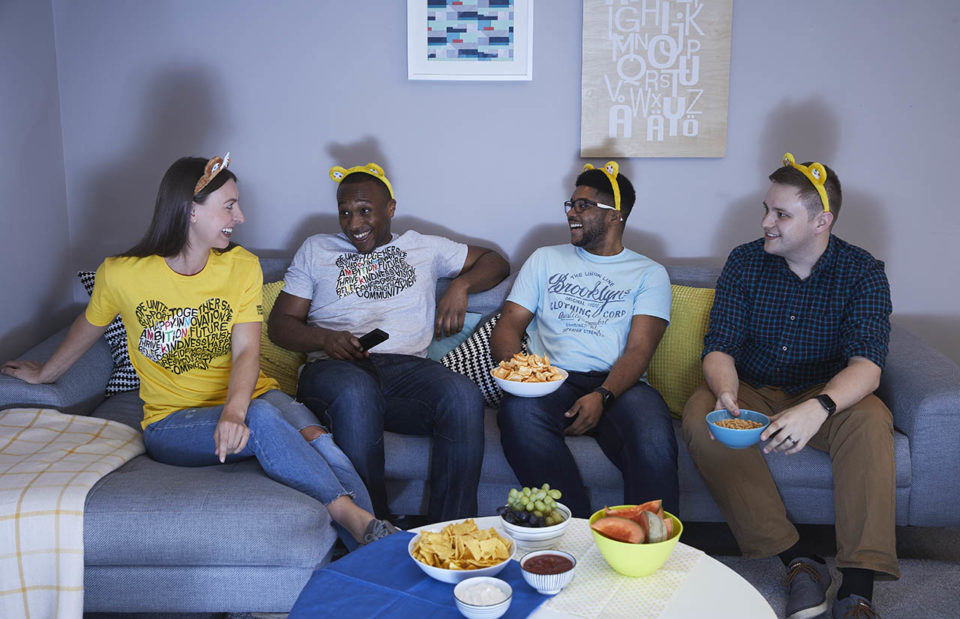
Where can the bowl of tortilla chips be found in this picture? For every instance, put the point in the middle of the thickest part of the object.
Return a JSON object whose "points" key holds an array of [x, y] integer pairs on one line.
{"points": [[460, 550]]}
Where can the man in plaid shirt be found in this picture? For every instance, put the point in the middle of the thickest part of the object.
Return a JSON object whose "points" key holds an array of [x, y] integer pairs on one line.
{"points": [[799, 331]]}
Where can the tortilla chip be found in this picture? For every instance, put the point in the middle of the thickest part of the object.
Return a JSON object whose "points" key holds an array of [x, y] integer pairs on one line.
{"points": [[461, 546]]}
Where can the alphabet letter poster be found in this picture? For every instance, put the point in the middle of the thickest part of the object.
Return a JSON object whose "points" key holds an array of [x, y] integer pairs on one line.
{"points": [[655, 78]]}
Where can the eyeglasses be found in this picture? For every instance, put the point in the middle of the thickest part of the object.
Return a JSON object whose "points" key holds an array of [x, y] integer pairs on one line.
{"points": [[583, 204]]}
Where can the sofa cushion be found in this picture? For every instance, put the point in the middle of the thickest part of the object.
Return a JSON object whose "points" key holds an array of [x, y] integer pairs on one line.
{"points": [[486, 303], [275, 361], [200, 592], [439, 348], [152, 514], [126, 407], [473, 360], [124, 377], [807, 475], [675, 370]]}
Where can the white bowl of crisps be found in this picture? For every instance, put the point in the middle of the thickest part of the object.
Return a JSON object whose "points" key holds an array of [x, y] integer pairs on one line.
{"points": [[458, 551], [528, 376]]}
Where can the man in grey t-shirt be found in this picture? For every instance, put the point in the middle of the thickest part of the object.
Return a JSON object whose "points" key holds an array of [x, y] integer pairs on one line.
{"points": [[341, 286]]}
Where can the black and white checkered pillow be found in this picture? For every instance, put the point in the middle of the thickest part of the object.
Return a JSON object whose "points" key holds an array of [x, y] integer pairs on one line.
{"points": [[472, 359], [124, 377]]}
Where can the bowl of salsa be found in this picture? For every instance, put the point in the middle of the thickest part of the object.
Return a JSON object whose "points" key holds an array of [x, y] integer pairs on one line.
{"points": [[548, 571]]}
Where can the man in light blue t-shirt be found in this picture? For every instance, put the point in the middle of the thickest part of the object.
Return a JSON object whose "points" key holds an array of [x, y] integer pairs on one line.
{"points": [[598, 310]]}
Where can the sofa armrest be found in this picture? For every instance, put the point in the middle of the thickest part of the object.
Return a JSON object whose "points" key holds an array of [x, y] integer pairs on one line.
{"points": [[922, 389], [77, 392]]}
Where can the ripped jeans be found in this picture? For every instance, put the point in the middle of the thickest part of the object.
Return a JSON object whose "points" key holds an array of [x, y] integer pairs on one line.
{"points": [[318, 468]]}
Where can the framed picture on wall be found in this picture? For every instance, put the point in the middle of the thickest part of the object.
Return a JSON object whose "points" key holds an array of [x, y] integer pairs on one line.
{"points": [[470, 39], [655, 78]]}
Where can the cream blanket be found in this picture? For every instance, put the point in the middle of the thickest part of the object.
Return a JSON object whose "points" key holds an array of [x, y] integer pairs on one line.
{"points": [[48, 462]]}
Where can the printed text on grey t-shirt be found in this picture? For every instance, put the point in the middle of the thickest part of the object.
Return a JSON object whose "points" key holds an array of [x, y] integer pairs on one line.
{"points": [[377, 275]]}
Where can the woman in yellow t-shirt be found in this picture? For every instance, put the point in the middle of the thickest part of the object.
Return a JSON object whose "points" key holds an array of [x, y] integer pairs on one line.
{"points": [[190, 300]]}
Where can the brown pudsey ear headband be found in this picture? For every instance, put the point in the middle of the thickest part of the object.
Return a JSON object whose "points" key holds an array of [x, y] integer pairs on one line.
{"points": [[213, 167]]}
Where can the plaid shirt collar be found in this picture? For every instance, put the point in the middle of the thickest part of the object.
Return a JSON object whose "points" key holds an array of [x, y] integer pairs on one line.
{"points": [[826, 262]]}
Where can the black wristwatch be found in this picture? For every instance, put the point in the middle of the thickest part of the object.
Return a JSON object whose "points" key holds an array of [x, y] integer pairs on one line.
{"points": [[827, 403], [606, 395]]}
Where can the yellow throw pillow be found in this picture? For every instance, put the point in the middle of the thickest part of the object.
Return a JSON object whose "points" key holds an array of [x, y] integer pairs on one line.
{"points": [[675, 369], [276, 362]]}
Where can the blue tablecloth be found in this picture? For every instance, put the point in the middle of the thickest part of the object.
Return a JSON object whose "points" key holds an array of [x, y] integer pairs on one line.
{"points": [[382, 580]]}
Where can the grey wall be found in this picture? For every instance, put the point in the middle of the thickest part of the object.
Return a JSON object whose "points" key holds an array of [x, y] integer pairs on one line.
{"points": [[34, 228], [294, 87]]}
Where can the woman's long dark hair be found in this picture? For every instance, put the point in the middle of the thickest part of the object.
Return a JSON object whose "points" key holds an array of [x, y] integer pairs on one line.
{"points": [[167, 234]]}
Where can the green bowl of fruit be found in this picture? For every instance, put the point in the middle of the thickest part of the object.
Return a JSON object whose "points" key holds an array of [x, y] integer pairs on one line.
{"points": [[534, 517], [635, 540]]}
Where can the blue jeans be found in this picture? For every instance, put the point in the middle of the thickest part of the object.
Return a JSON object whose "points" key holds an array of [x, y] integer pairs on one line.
{"points": [[318, 468], [407, 395], [636, 434]]}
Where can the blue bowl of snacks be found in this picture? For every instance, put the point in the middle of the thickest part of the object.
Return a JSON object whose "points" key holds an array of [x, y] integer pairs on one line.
{"points": [[737, 432]]}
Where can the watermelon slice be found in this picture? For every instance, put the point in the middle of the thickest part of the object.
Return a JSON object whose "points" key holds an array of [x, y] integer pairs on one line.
{"points": [[620, 529]]}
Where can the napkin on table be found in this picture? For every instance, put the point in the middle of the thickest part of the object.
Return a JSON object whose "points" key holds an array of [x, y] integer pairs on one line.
{"points": [[381, 579]]}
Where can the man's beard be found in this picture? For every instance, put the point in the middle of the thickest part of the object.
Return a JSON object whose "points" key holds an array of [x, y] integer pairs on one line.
{"points": [[590, 235]]}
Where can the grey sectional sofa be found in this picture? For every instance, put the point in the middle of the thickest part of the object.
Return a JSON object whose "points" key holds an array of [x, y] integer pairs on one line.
{"points": [[161, 538], [226, 538]]}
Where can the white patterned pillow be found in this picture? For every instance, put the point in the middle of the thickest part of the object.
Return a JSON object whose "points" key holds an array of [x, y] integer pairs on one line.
{"points": [[124, 377], [472, 359]]}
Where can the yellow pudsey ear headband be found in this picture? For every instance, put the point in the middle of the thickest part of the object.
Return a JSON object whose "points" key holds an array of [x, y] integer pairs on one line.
{"points": [[612, 170], [214, 166], [815, 173], [338, 173]]}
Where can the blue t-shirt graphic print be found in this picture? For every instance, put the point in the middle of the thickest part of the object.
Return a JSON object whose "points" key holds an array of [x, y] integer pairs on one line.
{"points": [[583, 304], [586, 301]]}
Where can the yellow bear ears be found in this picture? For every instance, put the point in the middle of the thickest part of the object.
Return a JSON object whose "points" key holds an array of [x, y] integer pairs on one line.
{"points": [[338, 173], [214, 166], [815, 173], [612, 170]]}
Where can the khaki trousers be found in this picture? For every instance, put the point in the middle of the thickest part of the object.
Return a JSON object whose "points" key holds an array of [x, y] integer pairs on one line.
{"points": [[860, 443]]}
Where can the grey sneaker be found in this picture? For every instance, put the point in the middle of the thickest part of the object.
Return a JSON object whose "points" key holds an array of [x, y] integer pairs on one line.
{"points": [[807, 582], [854, 606], [377, 529]]}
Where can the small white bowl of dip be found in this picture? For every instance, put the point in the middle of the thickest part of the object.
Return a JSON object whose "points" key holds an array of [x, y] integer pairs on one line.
{"points": [[483, 597]]}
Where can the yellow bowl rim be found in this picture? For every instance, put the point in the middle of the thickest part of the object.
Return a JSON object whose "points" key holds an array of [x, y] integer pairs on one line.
{"points": [[678, 530]]}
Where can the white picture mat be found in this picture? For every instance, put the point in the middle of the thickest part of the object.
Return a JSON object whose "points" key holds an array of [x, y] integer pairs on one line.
{"points": [[420, 68]]}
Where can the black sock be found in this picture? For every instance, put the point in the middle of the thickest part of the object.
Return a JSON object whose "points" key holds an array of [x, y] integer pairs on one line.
{"points": [[790, 554], [856, 580], [795, 551]]}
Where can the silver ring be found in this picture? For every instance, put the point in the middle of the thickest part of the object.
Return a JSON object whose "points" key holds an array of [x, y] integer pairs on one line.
{"points": [[792, 440]]}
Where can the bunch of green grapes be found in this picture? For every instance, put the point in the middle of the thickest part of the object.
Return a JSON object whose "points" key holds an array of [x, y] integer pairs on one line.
{"points": [[532, 507]]}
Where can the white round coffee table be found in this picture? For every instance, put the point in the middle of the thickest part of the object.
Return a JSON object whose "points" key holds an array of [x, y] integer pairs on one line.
{"points": [[710, 588]]}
